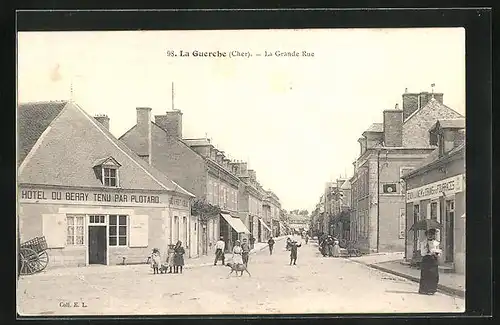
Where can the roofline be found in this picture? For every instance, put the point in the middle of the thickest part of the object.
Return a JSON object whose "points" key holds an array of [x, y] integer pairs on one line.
{"points": [[113, 141], [434, 163], [40, 138], [421, 108]]}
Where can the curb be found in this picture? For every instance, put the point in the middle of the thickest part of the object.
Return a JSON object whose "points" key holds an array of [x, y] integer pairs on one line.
{"points": [[441, 288]]}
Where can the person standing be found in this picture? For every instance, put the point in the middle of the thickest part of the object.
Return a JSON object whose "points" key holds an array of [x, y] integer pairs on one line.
{"points": [[245, 251], [170, 257], [252, 242], [270, 242], [219, 250], [178, 257], [293, 252], [336, 248], [237, 253], [307, 238], [429, 273]]}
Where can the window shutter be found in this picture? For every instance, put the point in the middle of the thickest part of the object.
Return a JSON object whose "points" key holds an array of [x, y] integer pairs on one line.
{"points": [[54, 230], [139, 233]]}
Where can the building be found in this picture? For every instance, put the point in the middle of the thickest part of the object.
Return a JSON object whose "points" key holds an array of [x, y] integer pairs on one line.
{"points": [[436, 190], [341, 218], [251, 209], [387, 150], [274, 204], [94, 200], [194, 164], [299, 223]]}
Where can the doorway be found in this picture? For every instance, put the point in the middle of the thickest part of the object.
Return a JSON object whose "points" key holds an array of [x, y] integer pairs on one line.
{"points": [[449, 230], [259, 232], [97, 245]]}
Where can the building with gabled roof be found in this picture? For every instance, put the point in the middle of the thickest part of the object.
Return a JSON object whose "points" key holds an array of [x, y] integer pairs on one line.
{"points": [[94, 199], [435, 190], [387, 151]]}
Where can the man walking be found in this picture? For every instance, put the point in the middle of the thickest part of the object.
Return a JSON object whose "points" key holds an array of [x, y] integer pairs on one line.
{"points": [[245, 251], [219, 250], [270, 242], [293, 252]]}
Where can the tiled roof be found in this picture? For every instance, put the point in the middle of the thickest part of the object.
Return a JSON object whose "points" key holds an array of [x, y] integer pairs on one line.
{"points": [[376, 127], [434, 105], [32, 120], [70, 163], [456, 123]]}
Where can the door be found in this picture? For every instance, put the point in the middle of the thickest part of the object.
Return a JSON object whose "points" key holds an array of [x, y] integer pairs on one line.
{"points": [[97, 245], [259, 231], [204, 242], [449, 230]]}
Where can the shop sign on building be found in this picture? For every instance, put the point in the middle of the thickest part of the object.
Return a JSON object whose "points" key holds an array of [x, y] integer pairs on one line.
{"points": [[446, 186], [51, 196]]}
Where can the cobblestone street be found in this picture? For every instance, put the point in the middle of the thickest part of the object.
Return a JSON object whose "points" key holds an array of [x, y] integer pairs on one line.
{"points": [[315, 285]]}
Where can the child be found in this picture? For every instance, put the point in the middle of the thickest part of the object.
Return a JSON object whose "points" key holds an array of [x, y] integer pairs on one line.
{"points": [[170, 257], [293, 252], [155, 260]]}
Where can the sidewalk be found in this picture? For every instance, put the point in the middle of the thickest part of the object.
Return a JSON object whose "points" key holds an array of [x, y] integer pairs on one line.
{"points": [[449, 283]]}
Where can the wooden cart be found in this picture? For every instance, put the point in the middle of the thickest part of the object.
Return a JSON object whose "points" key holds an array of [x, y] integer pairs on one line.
{"points": [[33, 256]]}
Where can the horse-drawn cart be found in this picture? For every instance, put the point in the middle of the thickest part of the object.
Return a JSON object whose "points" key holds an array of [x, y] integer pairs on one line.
{"points": [[33, 256]]}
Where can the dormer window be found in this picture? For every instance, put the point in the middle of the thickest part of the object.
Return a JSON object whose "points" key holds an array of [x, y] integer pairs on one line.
{"points": [[106, 170]]}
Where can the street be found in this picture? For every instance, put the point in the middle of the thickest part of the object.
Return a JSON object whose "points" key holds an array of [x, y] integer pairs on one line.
{"points": [[315, 285]]}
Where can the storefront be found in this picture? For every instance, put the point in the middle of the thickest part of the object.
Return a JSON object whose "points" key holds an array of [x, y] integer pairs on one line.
{"points": [[93, 199], [232, 229], [432, 193]]}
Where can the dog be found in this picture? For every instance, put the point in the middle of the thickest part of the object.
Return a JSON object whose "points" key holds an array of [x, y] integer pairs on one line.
{"points": [[163, 269], [237, 268]]}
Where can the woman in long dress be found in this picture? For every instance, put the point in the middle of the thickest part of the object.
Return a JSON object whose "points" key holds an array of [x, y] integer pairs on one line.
{"points": [[237, 253], [336, 248], [429, 274], [178, 257]]}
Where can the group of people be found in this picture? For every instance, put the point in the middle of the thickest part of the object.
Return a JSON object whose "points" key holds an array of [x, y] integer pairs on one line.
{"points": [[329, 246], [241, 250], [174, 260]]}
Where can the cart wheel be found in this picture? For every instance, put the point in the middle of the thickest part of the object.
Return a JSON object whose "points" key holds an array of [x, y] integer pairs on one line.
{"points": [[28, 258], [43, 260]]}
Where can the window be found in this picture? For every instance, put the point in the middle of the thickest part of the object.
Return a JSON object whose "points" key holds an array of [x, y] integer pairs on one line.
{"points": [[75, 232], [117, 230], [110, 178]]}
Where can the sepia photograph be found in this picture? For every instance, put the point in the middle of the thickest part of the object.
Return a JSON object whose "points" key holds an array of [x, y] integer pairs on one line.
{"points": [[223, 172]]}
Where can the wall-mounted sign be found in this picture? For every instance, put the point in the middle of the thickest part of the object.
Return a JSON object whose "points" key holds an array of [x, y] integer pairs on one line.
{"points": [[85, 196], [445, 187]]}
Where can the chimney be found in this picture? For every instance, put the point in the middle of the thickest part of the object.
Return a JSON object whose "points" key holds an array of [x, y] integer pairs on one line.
{"points": [[362, 143], [252, 174], [144, 130], [393, 128], [410, 104], [171, 122], [103, 119]]}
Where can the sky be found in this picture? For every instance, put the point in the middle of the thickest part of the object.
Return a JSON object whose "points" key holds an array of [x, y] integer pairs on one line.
{"points": [[295, 120]]}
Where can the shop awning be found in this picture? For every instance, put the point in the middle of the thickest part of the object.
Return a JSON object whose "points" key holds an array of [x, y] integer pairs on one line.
{"points": [[264, 224], [235, 223]]}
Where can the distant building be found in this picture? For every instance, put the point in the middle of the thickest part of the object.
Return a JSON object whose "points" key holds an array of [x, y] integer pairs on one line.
{"points": [[436, 190], [94, 199], [387, 151]]}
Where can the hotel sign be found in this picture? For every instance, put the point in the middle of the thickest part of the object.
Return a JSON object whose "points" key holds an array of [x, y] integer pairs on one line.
{"points": [[51, 196], [445, 187]]}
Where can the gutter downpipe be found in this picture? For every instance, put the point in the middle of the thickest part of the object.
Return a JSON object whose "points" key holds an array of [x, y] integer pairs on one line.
{"points": [[406, 223], [378, 200]]}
